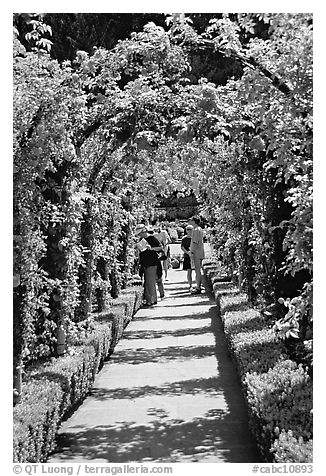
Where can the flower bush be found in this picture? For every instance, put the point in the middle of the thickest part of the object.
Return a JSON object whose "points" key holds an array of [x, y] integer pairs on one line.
{"points": [[280, 398], [232, 301], [278, 391], [288, 449], [36, 420], [53, 389]]}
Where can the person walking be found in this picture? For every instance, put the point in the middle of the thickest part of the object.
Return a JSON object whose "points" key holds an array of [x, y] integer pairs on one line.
{"points": [[197, 253], [159, 276], [164, 238], [185, 246], [150, 266]]}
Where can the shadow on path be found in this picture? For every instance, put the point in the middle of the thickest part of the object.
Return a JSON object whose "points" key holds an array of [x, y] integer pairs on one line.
{"points": [[157, 334], [206, 386], [166, 395], [163, 440]]}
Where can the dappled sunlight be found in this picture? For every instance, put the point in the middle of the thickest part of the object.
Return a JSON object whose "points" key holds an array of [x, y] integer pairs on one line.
{"points": [[169, 341], [196, 386], [167, 325], [161, 332], [177, 406], [167, 317], [193, 301], [155, 373], [215, 437], [168, 393], [165, 354], [182, 421]]}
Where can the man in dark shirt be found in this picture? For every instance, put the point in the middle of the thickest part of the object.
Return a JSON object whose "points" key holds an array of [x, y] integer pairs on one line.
{"points": [[150, 265], [185, 246]]}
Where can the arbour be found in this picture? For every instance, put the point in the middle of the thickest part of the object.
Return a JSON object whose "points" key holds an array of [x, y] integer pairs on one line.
{"points": [[93, 148], [68, 154]]}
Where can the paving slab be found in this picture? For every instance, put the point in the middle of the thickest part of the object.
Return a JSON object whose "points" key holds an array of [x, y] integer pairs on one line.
{"points": [[169, 393]]}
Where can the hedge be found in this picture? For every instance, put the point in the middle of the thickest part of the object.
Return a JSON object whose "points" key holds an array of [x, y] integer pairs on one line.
{"points": [[277, 390], [52, 390], [280, 399]]}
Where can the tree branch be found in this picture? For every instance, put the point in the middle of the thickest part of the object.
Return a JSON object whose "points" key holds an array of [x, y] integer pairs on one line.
{"points": [[99, 164], [277, 82], [34, 123], [82, 135]]}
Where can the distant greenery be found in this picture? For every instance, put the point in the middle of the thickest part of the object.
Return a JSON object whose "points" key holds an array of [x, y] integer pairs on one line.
{"points": [[73, 32]]}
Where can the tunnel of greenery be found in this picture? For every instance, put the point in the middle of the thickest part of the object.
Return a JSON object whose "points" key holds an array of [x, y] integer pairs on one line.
{"points": [[106, 122]]}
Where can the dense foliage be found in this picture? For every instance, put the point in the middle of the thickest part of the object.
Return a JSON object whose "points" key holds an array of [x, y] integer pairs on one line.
{"points": [[52, 390], [98, 135], [250, 150], [277, 389]]}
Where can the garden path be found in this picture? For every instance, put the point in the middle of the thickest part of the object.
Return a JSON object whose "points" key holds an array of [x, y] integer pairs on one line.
{"points": [[170, 392]]}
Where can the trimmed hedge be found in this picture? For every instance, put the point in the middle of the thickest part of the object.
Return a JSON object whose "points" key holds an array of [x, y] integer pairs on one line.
{"points": [[36, 420], [280, 398], [52, 390], [277, 390], [288, 449]]}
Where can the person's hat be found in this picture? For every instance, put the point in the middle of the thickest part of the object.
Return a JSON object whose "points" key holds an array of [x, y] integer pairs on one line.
{"points": [[139, 228]]}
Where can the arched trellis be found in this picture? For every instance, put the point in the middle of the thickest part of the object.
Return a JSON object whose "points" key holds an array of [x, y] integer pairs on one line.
{"points": [[62, 173], [154, 107]]}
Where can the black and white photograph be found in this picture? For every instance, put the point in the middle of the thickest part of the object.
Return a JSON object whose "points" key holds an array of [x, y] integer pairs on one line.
{"points": [[162, 238]]}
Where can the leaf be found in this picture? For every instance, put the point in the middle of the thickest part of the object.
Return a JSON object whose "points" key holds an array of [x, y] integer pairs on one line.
{"points": [[44, 43], [257, 143], [293, 333]]}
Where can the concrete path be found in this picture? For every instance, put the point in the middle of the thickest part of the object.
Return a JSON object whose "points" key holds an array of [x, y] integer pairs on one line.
{"points": [[170, 392]]}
